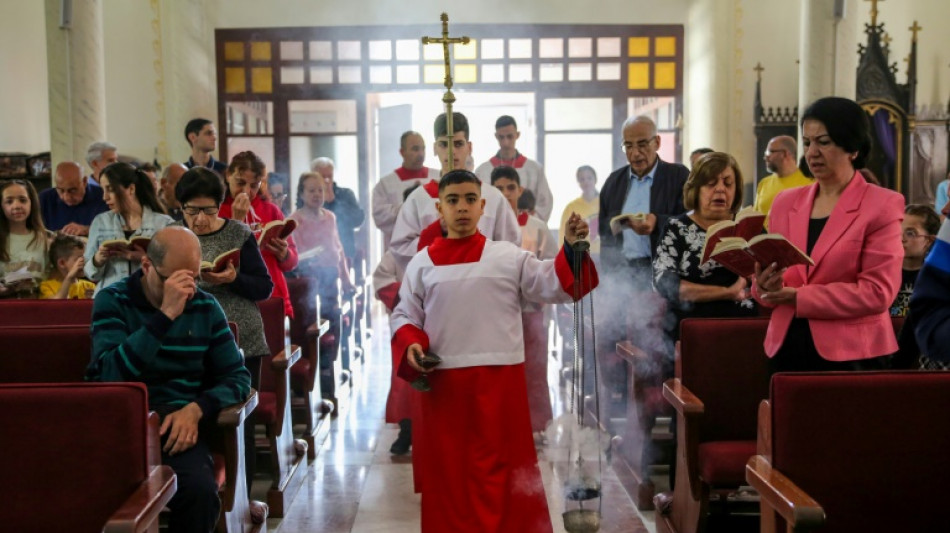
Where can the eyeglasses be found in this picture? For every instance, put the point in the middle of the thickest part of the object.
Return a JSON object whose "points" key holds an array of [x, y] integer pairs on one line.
{"points": [[161, 278], [910, 234], [640, 146], [770, 152], [193, 210]]}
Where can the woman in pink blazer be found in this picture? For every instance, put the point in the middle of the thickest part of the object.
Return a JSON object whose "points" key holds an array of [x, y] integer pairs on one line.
{"points": [[834, 315]]}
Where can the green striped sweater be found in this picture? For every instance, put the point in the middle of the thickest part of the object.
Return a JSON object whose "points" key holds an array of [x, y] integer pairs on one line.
{"points": [[190, 359]]}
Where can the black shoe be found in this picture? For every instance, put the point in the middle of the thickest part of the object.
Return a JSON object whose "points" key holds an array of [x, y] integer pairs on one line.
{"points": [[404, 441]]}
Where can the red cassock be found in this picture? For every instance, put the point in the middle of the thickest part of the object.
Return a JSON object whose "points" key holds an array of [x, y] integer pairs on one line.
{"points": [[473, 452]]}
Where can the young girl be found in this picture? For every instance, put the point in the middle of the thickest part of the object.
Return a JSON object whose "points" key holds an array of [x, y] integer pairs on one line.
{"points": [[23, 238], [319, 247], [133, 211], [918, 232]]}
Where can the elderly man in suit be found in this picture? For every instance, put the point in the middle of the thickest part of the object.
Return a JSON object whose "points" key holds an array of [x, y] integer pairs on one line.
{"points": [[630, 308]]}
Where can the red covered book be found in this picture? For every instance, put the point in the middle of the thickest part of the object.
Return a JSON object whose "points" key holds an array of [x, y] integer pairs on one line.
{"points": [[276, 229], [740, 256], [748, 224], [220, 263]]}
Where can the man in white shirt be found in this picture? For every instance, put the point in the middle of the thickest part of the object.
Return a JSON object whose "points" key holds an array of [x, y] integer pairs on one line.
{"points": [[388, 193]]}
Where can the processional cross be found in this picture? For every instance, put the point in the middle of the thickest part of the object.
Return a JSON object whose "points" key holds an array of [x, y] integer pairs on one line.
{"points": [[874, 11], [448, 98]]}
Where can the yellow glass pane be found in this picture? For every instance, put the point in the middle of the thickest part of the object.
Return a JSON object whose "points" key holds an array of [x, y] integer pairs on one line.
{"points": [[664, 75], [638, 76], [638, 46], [234, 81], [260, 51], [466, 51], [665, 46], [262, 80], [433, 74], [466, 74], [233, 51]]}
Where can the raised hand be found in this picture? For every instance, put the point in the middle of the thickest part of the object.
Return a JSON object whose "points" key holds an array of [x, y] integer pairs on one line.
{"points": [[179, 288]]}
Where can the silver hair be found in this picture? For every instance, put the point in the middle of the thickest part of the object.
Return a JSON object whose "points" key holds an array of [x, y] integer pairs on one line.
{"points": [[321, 162], [94, 152], [641, 119]]}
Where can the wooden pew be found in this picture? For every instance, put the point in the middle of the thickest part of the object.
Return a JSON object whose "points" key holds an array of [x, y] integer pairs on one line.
{"points": [[850, 452], [273, 412], [722, 375], [312, 334], [74, 437], [60, 354], [39, 312]]}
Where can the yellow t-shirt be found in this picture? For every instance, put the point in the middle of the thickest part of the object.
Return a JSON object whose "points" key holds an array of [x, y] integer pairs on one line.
{"points": [[50, 287], [771, 185], [588, 211]]}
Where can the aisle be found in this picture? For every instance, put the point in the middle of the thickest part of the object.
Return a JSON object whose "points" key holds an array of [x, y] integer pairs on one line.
{"points": [[355, 485]]}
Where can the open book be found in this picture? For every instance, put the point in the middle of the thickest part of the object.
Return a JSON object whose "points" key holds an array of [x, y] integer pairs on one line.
{"points": [[276, 229], [748, 224], [618, 222], [740, 256], [220, 263], [12, 278], [137, 242]]}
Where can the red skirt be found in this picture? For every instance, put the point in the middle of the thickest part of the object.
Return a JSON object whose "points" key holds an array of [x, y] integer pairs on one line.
{"points": [[536, 369], [477, 463]]}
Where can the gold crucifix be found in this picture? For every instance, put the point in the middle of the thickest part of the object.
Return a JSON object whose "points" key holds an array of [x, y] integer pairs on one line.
{"points": [[758, 71], [874, 11], [448, 98], [915, 28]]}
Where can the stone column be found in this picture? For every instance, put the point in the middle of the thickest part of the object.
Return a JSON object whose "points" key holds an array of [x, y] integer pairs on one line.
{"points": [[709, 40], [817, 51], [76, 63]]}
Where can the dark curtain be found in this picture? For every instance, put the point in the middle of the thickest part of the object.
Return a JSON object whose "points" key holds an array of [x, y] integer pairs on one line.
{"points": [[886, 134]]}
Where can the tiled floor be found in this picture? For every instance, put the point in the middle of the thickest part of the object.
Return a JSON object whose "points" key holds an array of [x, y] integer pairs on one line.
{"points": [[355, 485]]}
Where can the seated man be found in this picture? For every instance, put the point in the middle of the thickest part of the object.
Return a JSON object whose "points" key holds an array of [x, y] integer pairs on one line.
{"points": [[73, 201], [158, 328]]}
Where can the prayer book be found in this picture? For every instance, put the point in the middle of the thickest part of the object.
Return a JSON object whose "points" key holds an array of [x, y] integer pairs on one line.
{"points": [[276, 229], [12, 278], [748, 224], [618, 222], [220, 263], [740, 255], [137, 242]]}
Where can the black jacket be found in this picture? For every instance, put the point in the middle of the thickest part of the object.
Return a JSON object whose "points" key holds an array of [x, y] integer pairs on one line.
{"points": [[666, 200]]}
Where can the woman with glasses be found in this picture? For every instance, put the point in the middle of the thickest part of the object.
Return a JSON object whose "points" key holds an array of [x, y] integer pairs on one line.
{"points": [[834, 315], [239, 286], [134, 211]]}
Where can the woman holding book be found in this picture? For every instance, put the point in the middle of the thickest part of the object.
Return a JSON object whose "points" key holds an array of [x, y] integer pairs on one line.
{"points": [[134, 211], [244, 203], [237, 281], [693, 288], [834, 315]]}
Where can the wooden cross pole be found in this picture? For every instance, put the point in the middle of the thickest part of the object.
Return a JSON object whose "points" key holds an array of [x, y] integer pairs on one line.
{"points": [[448, 99], [915, 28], [874, 11]]}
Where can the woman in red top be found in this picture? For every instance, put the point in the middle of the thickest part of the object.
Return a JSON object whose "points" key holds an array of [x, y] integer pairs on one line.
{"points": [[243, 203]]}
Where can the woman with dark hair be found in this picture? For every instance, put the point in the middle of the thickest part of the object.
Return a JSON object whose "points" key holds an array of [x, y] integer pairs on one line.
{"points": [[133, 211], [200, 192], [834, 315], [713, 193], [243, 203]]}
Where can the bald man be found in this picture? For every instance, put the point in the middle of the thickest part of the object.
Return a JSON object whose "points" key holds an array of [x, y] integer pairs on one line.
{"points": [[157, 327], [170, 177], [781, 159], [72, 203]]}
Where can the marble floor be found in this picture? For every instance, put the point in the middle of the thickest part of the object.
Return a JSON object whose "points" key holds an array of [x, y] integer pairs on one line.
{"points": [[355, 485]]}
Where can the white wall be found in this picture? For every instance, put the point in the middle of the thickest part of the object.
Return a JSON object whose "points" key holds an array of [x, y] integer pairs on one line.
{"points": [[24, 108]]}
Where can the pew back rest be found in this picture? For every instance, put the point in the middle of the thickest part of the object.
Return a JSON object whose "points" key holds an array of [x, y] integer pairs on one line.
{"points": [[722, 361], [80, 450], [272, 314], [870, 447], [44, 354], [303, 293], [35, 312]]}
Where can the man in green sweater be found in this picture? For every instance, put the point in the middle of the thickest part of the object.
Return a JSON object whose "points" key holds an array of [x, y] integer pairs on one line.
{"points": [[158, 328]]}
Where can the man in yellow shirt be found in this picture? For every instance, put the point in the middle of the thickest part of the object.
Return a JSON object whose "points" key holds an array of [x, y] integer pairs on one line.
{"points": [[587, 206], [781, 158]]}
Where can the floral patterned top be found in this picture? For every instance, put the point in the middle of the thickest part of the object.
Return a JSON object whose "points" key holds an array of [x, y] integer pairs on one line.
{"points": [[678, 256]]}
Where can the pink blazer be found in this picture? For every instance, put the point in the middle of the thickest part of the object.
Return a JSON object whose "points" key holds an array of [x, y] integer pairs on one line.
{"points": [[856, 276]]}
